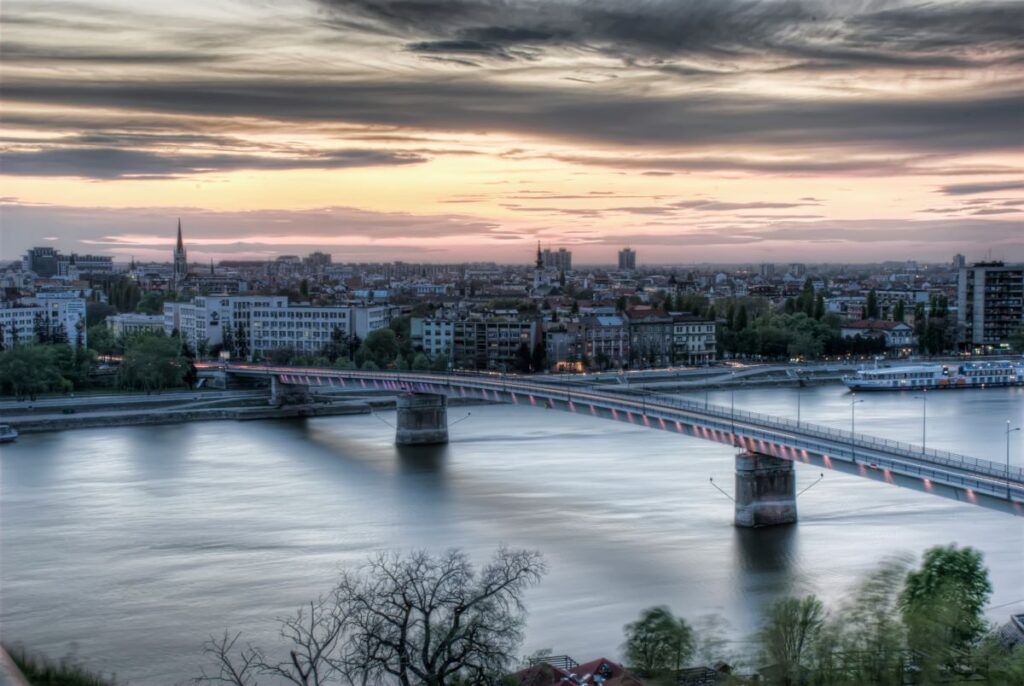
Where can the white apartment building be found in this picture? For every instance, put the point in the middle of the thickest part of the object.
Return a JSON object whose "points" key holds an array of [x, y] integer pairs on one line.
{"points": [[132, 324], [693, 340], [435, 336], [64, 317], [267, 322]]}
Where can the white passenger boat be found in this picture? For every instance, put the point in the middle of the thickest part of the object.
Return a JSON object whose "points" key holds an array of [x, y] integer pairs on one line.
{"points": [[7, 433], [938, 376]]}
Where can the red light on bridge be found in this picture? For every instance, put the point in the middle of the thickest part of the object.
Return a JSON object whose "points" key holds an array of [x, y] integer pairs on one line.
{"points": [[679, 426], [970, 496], [533, 401], [927, 484], [827, 461], [661, 423], [572, 407], [593, 410], [629, 416], [647, 420], [514, 398], [615, 414]]}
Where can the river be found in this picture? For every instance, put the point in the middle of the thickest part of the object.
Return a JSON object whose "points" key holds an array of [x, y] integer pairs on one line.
{"points": [[131, 545]]}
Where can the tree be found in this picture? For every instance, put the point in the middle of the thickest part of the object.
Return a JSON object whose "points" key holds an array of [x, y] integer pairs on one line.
{"points": [[103, 341], [151, 303], [788, 637], [863, 644], [523, 358], [658, 643], [96, 312], [28, 370], [871, 306], [819, 306], [414, 619], [153, 363], [943, 602], [420, 363], [538, 359], [899, 311], [381, 346]]}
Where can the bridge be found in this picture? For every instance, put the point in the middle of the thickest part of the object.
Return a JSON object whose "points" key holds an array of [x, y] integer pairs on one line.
{"points": [[768, 446]]}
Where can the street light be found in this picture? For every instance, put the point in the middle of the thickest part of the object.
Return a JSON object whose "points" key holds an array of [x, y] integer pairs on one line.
{"points": [[853, 426], [1008, 432], [924, 417]]}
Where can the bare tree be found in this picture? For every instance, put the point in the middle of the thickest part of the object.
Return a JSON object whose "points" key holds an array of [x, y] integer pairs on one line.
{"points": [[413, 619], [312, 636], [435, 620]]}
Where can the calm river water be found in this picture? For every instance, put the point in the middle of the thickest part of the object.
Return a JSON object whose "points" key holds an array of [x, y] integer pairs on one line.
{"points": [[132, 545]]}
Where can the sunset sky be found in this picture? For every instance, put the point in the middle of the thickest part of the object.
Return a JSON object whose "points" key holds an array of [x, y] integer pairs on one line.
{"points": [[451, 130]]}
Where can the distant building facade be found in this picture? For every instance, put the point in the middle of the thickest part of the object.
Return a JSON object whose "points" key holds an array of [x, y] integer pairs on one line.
{"points": [[627, 260], [990, 303]]}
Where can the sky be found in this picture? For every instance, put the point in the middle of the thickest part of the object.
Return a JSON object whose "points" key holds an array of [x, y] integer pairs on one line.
{"points": [[462, 130]]}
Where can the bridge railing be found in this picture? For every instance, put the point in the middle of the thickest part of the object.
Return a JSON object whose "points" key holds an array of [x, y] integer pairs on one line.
{"points": [[858, 439], [498, 381]]}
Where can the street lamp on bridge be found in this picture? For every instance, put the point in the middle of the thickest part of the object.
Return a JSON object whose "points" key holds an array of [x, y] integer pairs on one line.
{"points": [[853, 426], [1008, 432], [924, 417]]}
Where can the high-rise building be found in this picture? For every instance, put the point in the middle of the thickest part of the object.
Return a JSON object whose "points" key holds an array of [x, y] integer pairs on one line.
{"points": [[44, 262], [959, 261], [627, 260], [560, 260], [767, 270], [990, 299], [180, 260]]}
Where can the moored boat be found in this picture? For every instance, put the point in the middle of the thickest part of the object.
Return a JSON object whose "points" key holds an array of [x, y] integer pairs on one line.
{"points": [[984, 374], [7, 433]]}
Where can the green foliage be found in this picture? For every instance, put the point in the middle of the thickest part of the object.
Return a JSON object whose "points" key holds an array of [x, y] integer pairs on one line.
{"points": [[871, 306], [899, 311], [658, 642], [381, 346], [943, 602], [788, 638], [152, 303], [420, 363], [96, 312], [103, 341], [153, 363], [42, 671], [28, 370], [124, 294]]}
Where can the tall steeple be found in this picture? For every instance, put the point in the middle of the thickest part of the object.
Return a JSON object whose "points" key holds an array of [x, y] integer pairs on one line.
{"points": [[540, 259], [180, 261]]}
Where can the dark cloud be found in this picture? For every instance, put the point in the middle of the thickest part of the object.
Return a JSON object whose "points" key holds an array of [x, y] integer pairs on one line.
{"points": [[983, 187], [804, 34], [716, 206], [119, 163], [882, 124]]}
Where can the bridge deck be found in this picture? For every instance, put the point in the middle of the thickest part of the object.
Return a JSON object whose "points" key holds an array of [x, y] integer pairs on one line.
{"points": [[938, 472]]}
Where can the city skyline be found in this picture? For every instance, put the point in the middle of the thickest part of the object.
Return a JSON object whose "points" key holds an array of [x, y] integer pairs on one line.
{"points": [[467, 131]]}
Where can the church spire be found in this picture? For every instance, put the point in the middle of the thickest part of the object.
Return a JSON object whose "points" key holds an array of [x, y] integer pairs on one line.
{"points": [[181, 245], [540, 259]]}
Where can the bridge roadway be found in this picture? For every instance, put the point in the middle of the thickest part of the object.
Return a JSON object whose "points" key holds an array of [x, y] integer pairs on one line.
{"points": [[963, 478]]}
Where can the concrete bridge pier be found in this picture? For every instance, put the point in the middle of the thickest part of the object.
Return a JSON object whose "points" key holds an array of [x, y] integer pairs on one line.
{"points": [[288, 394], [765, 490], [422, 419]]}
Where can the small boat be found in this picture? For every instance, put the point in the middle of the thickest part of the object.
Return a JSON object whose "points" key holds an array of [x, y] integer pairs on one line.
{"points": [[985, 374], [7, 433]]}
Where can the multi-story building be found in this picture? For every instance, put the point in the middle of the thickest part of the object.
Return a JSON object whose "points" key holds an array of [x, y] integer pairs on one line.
{"points": [[899, 336], [559, 260], [650, 337], [133, 324], [44, 262], [767, 270], [492, 343], [990, 299], [57, 319], [261, 323], [627, 260], [17, 324], [436, 337], [604, 340], [693, 339]]}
